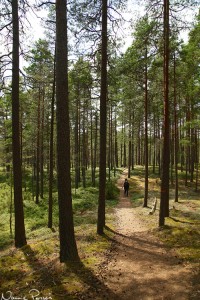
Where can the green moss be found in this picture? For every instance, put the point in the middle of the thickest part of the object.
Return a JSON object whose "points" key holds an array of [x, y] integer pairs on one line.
{"points": [[183, 236], [137, 199]]}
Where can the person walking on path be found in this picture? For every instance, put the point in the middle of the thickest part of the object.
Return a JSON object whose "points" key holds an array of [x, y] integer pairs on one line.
{"points": [[126, 187]]}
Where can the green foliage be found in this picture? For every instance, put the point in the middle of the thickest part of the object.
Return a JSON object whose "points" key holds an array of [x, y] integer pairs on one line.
{"points": [[85, 203], [112, 192], [35, 263], [182, 230], [137, 199], [5, 239], [35, 214], [86, 200], [184, 235]]}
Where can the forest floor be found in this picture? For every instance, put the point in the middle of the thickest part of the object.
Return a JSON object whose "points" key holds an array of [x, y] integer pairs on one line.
{"points": [[133, 260], [139, 266]]}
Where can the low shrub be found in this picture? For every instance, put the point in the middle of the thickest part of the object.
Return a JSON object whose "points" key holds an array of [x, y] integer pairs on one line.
{"points": [[112, 192]]}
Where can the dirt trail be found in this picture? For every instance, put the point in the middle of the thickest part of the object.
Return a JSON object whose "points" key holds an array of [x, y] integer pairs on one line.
{"points": [[140, 266]]}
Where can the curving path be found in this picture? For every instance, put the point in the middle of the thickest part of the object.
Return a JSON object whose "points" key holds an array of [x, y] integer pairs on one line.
{"points": [[140, 267]]}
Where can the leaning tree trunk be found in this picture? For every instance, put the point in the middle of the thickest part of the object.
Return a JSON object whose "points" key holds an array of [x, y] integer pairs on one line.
{"points": [[68, 248], [103, 121], [164, 197], [20, 237]]}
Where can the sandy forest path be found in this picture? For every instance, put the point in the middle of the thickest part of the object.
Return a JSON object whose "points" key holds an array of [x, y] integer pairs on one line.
{"points": [[140, 267]]}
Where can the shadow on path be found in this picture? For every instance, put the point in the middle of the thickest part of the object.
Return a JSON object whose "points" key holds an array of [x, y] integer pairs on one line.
{"points": [[51, 279], [141, 267], [95, 288]]}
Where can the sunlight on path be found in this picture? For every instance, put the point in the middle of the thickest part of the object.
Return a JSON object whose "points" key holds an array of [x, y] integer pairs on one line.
{"points": [[127, 223]]}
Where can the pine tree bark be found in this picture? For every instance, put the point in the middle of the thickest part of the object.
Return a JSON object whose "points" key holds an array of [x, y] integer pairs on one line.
{"points": [[197, 158], [154, 145], [68, 248], [95, 143], [42, 146], [164, 197], [84, 149], [51, 152], [109, 143], [38, 150], [146, 137], [129, 146], [175, 135], [124, 144], [76, 150], [116, 145], [103, 122], [20, 237], [188, 134], [132, 143]]}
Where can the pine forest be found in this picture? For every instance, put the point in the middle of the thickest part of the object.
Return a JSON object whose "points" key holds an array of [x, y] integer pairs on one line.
{"points": [[103, 91]]}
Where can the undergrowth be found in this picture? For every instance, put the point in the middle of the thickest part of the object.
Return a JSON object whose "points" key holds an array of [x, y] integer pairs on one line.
{"points": [[36, 265], [182, 229]]}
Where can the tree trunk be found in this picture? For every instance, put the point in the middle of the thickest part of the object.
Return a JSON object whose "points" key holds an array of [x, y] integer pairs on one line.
{"points": [[154, 145], [84, 149], [188, 152], [92, 146], [164, 197], [139, 146], [132, 143], [146, 138], [109, 142], [38, 151], [116, 145], [95, 147], [77, 161], [158, 157], [103, 122], [20, 237], [197, 158], [68, 248], [192, 155], [129, 147], [175, 135], [50, 217], [42, 146]]}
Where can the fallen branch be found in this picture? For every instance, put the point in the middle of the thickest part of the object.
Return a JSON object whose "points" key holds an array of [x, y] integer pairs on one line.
{"points": [[153, 207]]}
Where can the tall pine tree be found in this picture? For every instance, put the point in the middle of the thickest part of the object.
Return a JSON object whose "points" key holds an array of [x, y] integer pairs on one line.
{"points": [[68, 248], [20, 237]]}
